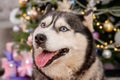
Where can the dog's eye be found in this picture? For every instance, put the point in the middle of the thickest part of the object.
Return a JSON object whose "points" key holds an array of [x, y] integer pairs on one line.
{"points": [[63, 29], [43, 25]]}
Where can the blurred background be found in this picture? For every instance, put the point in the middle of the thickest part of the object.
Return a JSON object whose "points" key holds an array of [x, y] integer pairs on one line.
{"points": [[18, 19], [6, 7]]}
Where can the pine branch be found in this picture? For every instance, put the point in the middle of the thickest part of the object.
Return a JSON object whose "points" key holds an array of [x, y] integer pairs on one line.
{"points": [[80, 4]]}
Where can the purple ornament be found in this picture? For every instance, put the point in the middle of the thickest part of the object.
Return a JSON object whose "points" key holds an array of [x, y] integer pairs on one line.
{"points": [[96, 35], [19, 78], [8, 55]]}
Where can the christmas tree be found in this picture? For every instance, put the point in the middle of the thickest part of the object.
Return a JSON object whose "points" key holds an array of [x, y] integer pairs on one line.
{"points": [[106, 16]]}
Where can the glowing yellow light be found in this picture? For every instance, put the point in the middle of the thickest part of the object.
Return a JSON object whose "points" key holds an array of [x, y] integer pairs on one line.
{"points": [[101, 46], [24, 15], [98, 46], [82, 12], [105, 43], [116, 49], [106, 21], [100, 27], [111, 41], [94, 17], [31, 51], [27, 17], [115, 29], [97, 23], [94, 8]]}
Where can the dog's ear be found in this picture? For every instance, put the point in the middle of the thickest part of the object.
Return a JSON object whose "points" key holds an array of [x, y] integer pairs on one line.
{"points": [[88, 20], [48, 8]]}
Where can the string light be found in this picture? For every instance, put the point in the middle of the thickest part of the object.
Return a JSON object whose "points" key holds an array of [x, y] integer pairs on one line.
{"points": [[94, 8], [115, 29], [82, 12], [108, 25], [101, 46], [98, 23], [101, 27], [27, 17], [31, 51], [11, 65], [24, 15], [27, 61], [23, 2], [106, 21], [98, 46], [111, 41], [115, 49], [105, 43], [94, 16]]}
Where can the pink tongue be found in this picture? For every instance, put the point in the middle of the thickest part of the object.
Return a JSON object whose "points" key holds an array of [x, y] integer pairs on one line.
{"points": [[42, 58]]}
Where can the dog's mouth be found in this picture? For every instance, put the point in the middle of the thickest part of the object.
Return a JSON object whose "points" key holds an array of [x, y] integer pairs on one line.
{"points": [[47, 57]]}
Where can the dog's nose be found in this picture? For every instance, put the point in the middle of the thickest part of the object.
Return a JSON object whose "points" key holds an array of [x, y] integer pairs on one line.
{"points": [[40, 38]]}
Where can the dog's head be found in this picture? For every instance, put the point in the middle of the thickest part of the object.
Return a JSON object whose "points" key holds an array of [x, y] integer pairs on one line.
{"points": [[60, 35]]}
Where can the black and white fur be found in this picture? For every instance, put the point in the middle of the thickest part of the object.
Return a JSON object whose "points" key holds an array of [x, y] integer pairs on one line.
{"points": [[81, 61]]}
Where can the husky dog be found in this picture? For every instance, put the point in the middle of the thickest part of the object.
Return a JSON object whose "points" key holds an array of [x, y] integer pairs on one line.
{"points": [[64, 48]]}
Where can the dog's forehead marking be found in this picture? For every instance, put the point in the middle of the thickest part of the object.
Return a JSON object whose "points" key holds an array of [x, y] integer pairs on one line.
{"points": [[48, 20], [61, 22]]}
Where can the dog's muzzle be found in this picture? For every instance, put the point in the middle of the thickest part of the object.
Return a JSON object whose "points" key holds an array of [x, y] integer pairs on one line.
{"points": [[46, 57], [40, 39]]}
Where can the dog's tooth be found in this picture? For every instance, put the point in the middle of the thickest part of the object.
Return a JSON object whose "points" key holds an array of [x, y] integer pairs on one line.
{"points": [[39, 48]]}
